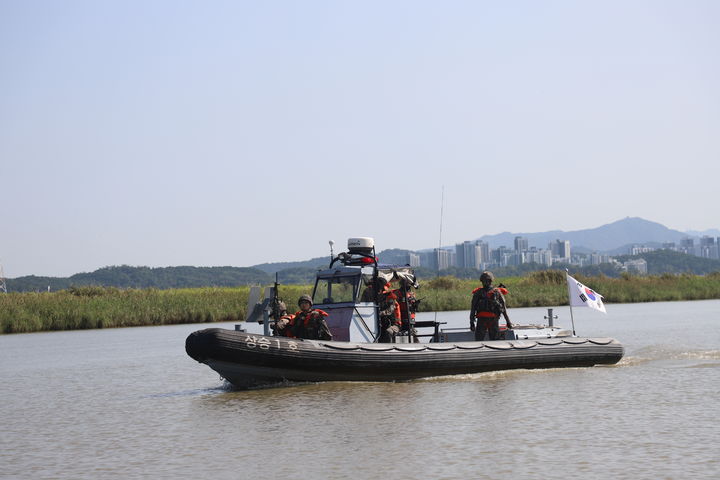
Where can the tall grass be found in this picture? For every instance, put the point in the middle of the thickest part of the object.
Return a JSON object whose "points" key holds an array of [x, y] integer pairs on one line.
{"points": [[97, 307], [94, 307]]}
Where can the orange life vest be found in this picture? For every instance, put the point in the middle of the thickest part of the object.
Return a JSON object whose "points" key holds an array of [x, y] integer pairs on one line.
{"points": [[307, 317], [287, 331], [404, 302], [490, 294]]}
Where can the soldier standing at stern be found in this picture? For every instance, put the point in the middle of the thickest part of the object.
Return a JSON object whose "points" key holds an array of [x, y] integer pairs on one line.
{"points": [[488, 303]]}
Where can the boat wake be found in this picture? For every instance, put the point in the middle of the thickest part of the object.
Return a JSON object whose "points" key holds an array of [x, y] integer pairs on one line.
{"points": [[633, 361], [702, 355], [654, 353], [501, 374]]}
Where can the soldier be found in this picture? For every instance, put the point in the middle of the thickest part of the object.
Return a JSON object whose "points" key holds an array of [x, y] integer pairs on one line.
{"points": [[408, 304], [310, 322], [389, 310], [488, 303], [284, 322]]}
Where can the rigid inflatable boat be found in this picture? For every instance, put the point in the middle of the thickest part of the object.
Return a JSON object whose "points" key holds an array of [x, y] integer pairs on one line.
{"points": [[251, 355]]}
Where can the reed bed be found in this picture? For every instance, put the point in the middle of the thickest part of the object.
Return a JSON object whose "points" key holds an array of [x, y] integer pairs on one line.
{"points": [[98, 307], [549, 288]]}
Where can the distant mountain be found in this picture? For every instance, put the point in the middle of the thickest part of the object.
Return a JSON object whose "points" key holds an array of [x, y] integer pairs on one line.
{"points": [[314, 263], [628, 231], [145, 277], [390, 256]]}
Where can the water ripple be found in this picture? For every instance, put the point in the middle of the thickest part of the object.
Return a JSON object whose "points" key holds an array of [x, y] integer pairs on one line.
{"points": [[670, 352]]}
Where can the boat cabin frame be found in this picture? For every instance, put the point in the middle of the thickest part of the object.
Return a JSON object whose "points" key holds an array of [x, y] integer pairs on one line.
{"points": [[345, 291]]}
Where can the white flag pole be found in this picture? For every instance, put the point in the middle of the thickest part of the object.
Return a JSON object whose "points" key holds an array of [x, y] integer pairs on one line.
{"points": [[567, 284]]}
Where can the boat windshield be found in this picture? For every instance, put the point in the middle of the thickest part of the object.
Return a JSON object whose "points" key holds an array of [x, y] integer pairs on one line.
{"points": [[337, 289]]}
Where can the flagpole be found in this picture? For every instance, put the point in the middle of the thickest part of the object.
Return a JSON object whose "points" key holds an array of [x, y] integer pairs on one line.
{"points": [[567, 282]]}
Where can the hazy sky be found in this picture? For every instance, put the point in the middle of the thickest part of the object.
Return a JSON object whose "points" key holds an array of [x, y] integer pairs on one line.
{"points": [[166, 133]]}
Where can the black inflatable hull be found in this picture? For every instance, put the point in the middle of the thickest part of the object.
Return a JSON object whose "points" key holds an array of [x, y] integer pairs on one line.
{"points": [[247, 360]]}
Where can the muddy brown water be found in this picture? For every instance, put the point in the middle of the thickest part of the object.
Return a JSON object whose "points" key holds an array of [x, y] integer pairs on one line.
{"points": [[129, 403]]}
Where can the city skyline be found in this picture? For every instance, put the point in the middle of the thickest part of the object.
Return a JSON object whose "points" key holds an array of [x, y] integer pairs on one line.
{"points": [[506, 239], [479, 256]]}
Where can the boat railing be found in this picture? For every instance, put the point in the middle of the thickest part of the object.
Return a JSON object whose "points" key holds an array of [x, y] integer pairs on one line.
{"points": [[434, 336]]}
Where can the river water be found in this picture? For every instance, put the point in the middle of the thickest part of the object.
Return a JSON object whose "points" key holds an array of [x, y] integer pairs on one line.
{"points": [[129, 403]]}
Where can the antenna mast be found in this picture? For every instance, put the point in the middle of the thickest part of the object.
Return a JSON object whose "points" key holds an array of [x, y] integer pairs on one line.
{"points": [[442, 203], [437, 256]]}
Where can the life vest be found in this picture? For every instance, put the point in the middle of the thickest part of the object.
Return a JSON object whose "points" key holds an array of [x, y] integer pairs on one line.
{"points": [[310, 316], [386, 300], [311, 324], [394, 297], [407, 303], [287, 331], [490, 304]]}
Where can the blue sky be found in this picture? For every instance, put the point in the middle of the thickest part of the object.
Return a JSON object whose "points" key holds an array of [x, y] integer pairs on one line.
{"points": [[167, 133]]}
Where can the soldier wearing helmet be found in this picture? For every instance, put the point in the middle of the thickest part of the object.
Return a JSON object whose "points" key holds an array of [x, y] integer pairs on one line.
{"points": [[488, 303], [380, 292], [389, 310], [310, 322]]}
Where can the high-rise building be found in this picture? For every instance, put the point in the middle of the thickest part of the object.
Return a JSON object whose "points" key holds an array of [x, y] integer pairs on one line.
{"points": [[482, 253], [597, 259], [638, 266], [501, 256], [707, 241], [560, 249], [514, 258], [439, 259], [413, 259], [459, 255], [708, 247], [468, 255], [534, 255], [687, 245], [638, 249], [521, 244], [462, 254]]}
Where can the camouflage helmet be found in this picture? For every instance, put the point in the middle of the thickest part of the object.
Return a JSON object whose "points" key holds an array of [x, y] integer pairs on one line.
{"points": [[487, 277], [305, 298]]}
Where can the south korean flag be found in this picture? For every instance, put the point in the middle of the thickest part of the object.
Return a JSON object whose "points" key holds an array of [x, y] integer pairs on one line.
{"points": [[582, 296]]}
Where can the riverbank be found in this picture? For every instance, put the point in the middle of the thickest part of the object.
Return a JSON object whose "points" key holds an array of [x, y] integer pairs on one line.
{"points": [[97, 307]]}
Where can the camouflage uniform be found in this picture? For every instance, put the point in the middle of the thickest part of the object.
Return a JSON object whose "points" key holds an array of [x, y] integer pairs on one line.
{"points": [[389, 311], [488, 303], [311, 325]]}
